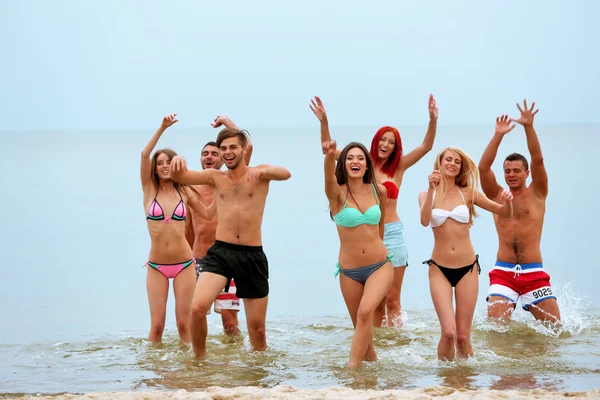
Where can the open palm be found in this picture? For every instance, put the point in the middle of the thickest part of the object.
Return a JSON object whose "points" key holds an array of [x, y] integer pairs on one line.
{"points": [[527, 114], [317, 107], [433, 110], [503, 125]]}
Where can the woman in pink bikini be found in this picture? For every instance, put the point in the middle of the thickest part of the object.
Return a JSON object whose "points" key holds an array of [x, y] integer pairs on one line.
{"points": [[170, 256], [390, 165]]}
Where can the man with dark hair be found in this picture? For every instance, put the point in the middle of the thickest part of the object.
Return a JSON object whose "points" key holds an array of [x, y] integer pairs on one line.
{"points": [[519, 272], [518, 157], [241, 194], [200, 232]]}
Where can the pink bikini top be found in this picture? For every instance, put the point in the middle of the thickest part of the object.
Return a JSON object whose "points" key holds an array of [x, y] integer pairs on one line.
{"points": [[156, 213]]}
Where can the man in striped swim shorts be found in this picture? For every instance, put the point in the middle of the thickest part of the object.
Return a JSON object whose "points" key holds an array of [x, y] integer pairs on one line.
{"points": [[519, 272]]}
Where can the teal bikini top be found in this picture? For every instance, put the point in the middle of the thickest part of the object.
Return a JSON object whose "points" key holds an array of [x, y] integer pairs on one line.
{"points": [[352, 217]]}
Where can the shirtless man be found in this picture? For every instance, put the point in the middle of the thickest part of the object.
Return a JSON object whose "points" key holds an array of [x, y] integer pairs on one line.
{"points": [[518, 272], [200, 232], [240, 193]]}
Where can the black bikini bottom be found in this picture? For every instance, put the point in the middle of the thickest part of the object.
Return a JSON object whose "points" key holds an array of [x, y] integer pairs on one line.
{"points": [[454, 275]]}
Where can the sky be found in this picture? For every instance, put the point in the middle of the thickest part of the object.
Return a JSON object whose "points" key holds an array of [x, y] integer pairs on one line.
{"points": [[123, 64]]}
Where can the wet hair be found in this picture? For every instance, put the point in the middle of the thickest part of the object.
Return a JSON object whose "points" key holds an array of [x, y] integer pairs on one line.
{"points": [[518, 157], [468, 177], [391, 164], [229, 133], [341, 174]]}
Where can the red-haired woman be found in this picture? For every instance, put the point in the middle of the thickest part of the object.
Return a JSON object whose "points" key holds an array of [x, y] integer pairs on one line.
{"points": [[390, 165]]}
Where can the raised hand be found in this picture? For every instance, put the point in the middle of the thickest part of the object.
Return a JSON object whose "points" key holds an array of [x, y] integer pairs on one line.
{"points": [[434, 179], [503, 125], [178, 164], [169, 120], [527, 114], [223, 120], [317, 107], [433, 110], [329, 147], [506, 196]]}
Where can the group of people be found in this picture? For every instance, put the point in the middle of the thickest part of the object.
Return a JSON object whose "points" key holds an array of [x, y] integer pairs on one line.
{"points": [[222, 235], [223, 238]]}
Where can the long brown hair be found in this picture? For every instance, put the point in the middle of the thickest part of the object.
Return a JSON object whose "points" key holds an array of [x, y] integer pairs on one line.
{"points": [[468, 177], [341, 174], [170, 154]]}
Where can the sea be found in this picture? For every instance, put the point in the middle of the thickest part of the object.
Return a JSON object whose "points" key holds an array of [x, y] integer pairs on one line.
{"points": [[74, 308]]}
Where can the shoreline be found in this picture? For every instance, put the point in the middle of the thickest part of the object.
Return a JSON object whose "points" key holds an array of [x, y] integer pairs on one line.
{"points": [[332, 393]]}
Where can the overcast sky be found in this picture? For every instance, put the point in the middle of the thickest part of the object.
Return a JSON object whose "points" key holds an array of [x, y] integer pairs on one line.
{"points": [[71, 64]]}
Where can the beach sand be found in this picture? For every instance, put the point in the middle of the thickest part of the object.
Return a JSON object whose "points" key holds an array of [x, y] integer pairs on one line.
{"points": [[334, 393]]}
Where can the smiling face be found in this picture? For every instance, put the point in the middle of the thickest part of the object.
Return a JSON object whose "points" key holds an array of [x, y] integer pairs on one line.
{"points": [[232, 152], [515, 174], [356, 163], [211, 157], [163, 167], [387, 144], [450, 163]]}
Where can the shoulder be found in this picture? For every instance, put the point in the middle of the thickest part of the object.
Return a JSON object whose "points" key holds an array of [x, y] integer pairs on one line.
{"points": [[215, 175], [534, 195]]}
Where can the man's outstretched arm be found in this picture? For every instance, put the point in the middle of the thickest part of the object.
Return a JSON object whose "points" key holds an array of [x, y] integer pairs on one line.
{"points": [[489, 184], [539, 176]]}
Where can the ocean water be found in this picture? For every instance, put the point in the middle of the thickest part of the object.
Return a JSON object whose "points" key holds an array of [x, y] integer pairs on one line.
{"points": [[75, 314]]}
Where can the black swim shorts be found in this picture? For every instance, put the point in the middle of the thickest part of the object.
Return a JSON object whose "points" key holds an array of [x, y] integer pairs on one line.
{"points": [[247, 265]]}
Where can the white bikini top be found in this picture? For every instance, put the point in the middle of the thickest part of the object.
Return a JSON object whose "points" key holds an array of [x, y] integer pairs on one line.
{"points": [[459, 214]]}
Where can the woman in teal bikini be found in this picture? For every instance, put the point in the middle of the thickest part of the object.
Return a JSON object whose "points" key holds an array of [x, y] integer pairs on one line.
{"points": [[358, 208], [170, 254], [390, 164]]}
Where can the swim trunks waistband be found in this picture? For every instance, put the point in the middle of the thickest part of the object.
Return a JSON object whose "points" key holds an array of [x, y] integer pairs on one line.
{"points": [[238, 247]]}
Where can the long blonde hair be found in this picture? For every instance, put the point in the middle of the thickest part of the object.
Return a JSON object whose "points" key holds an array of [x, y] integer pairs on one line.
{"points": [[468, 177]]}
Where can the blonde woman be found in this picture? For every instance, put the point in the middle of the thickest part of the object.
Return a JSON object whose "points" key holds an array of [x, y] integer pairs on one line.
{"points": [[449, 207]]}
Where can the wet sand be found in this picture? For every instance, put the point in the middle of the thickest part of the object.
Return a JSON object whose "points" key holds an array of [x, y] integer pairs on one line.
{"points": [[334, 393]]}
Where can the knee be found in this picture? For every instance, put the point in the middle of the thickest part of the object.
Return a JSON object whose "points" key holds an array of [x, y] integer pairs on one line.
{"points": [[462, 340], [257, 331], [230, 325], [231, 328], [393, 302], [183, 325], [199, 310], [157, 327], [364, 315], [449, 335]]}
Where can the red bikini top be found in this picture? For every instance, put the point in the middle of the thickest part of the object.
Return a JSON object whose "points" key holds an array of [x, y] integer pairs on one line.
{"points": [[392, 189]]}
